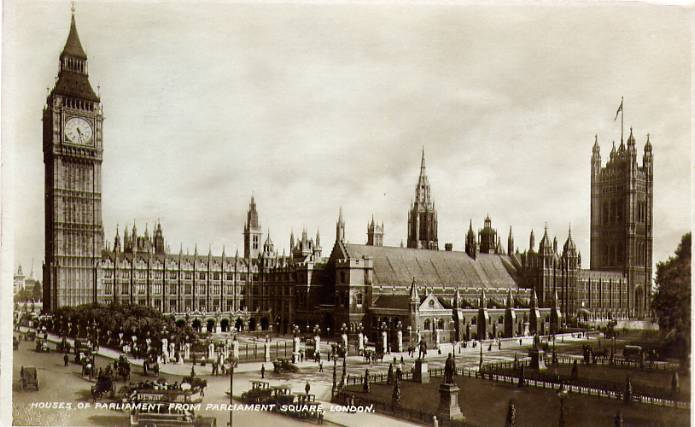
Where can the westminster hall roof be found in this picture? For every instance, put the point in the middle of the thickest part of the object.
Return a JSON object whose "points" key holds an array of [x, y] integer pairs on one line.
{"points": [[399, 266]]}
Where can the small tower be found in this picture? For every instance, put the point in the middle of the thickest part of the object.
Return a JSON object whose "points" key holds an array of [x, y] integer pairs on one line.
{"points": [[532, 242], [252, 232], [340, 227], [375, 233], [159, 247], [471, 242], [510, 242], [117, 242], [488, 237]]}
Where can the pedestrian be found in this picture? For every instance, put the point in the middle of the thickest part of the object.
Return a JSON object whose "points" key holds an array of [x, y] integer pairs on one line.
{"points": [[263, 371], [307, 387], [65, 359], [320, 366], [402, 361], [144, 367]]}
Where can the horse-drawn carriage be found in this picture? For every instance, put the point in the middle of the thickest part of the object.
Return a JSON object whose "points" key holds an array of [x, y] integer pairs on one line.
{"points": [[104, 386], [29, 378], [42, 345], [122, 368], [63, 346], [284, 365]]}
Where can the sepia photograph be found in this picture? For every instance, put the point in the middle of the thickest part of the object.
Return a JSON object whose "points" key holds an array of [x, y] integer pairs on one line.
{"points": [[394, 213]]}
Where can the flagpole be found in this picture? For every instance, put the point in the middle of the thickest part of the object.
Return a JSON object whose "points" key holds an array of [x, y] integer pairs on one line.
{"points": [[622, 116]]}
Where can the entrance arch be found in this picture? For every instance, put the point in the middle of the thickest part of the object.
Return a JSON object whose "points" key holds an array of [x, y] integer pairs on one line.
{"points": [[210, 326], [180, 323], [239, 324], [224, 324], [264, 323], [196, 325], [252, 324]]}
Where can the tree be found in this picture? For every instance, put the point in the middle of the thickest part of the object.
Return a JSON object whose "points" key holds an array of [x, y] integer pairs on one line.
{"points": [[671, 302]]}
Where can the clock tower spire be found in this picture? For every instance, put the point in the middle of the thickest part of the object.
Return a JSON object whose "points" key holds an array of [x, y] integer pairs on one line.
{"points": [[72, 154]]}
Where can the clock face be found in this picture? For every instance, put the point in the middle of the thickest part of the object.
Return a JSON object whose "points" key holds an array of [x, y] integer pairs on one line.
{"points": [[78, 131]]}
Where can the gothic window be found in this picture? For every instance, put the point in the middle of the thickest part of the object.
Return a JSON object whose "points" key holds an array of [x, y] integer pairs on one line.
{"points": [[230, 276], [172, 289], [216, 276], [189, 275], [440, 324], [358, 300], [124, 289], [427, 324], [202, 275], [172, 305], [173, 275], [188, 289]]}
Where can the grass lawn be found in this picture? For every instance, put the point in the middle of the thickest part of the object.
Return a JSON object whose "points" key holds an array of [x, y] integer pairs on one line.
{"points": [[484, 403]]}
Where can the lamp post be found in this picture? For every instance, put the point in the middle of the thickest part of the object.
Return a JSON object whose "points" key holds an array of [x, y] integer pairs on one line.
{"points": [[562, 394], [232, 361]]}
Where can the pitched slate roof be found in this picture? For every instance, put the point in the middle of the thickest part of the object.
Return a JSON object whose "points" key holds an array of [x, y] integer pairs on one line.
{"points": [[398, 266]]}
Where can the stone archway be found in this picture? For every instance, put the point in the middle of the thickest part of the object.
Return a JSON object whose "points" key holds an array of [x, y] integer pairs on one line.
{"points": [[224, 324], [239, 324], [196, 325], [264, 323], [210, 325], [252, 324], [180, 323]]}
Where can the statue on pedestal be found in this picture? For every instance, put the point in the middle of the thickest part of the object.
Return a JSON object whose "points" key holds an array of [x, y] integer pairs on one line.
{"points": [[449, 370]]}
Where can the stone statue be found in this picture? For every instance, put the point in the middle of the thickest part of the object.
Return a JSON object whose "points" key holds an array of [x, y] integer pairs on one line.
{"points": [[449, 370], [423, 350], [536, 342]]}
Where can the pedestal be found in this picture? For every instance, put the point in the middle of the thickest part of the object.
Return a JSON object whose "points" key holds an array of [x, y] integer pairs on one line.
{"points": [[235, 349], [420, 374], [295, 350], [449, 408], [537, 359], [360, 342], [399, 343], [267, 352], [384, 342]]}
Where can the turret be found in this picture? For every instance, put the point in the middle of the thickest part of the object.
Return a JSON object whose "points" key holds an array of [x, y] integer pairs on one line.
{"points": [[595, 158], [471, 242], [340, 227], [647, 159], [532, 242], [291, 240], [117, 242], [482, 302], [510, 242], [510, 299], [555, 244]]}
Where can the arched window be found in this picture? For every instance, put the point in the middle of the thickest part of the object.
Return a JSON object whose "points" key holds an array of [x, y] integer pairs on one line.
{"points": [[427, 324], [440, 324]]}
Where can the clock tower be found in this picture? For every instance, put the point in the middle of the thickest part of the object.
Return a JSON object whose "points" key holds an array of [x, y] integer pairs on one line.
{"points": [[72, 155]]}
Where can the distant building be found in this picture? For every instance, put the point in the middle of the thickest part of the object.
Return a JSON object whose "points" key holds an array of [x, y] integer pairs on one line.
{"points": [[19, 280], [483, 291]]}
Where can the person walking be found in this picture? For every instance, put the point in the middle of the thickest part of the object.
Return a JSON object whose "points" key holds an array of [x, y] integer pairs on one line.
{"points": [[263, 371], [320, 366], [307, 387], [66, 358]]}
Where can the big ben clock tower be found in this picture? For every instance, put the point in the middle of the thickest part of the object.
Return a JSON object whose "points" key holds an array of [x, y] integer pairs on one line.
{"points": [[72, 155]]}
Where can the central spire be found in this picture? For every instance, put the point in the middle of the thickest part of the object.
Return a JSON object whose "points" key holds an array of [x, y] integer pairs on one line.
{"points": [[422, 217]]}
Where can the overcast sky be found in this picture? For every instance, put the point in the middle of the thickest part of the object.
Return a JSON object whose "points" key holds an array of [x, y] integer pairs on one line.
{"points": [[312, 107]]}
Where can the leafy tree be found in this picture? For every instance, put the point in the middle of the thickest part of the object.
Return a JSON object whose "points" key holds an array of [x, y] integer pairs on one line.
{"points": [[671, 302]]}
